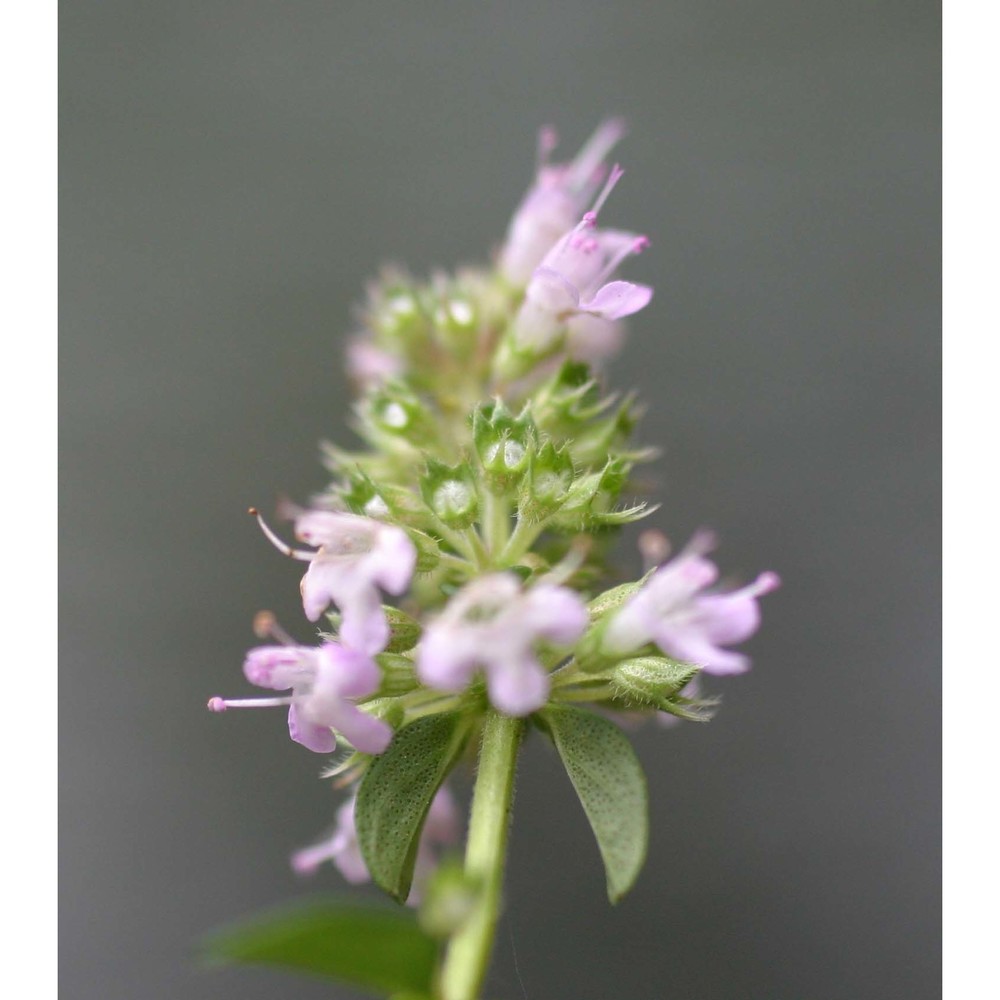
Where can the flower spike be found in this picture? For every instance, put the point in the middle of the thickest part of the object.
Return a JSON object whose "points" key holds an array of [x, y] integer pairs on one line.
{"points": [[454, 568]]}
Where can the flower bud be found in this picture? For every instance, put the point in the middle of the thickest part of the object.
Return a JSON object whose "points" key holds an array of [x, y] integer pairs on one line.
{"points": [[504, 444], [395, 410], [387, 503], [398, 672], [547, 484], [456, 322], [591, 498], [398, 314], [649, 681], [450, 492]]}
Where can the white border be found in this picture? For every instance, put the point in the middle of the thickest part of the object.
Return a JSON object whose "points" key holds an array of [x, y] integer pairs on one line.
{"points": [[972, 498], [29, 506]]}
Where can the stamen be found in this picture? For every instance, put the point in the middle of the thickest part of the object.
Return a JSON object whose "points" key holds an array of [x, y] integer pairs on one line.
{"points": [[573, 237], [265, 626], [635, 246], [609, 185], [287, 550], [588, 161], [548, 139], [222, 704], [703, 541], [654, 547], [764, 584]]}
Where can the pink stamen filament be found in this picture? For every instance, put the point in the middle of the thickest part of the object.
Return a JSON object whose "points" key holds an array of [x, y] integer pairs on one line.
{"points": [[588, 161], [548, 139], [609, 185], [222, 704], [636, 246], [589, 220], [281, 546], [764, 584]]}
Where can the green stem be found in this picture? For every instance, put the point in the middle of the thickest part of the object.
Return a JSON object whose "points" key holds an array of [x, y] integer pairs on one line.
{"points": [[457, 540], [468, 954], [521, 540], [496, 523]]}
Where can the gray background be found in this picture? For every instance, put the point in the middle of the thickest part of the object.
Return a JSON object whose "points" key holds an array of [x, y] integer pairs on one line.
{"points": [[231, 174]]}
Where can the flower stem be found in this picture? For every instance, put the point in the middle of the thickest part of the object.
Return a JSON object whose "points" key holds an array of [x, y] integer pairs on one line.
{"points": [[521, 540], [496, 524], [468, 954]]}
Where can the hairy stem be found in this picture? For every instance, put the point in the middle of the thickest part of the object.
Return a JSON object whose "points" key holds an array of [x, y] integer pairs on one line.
{"points": [[468, 954], [496, 524], [521, 540]]}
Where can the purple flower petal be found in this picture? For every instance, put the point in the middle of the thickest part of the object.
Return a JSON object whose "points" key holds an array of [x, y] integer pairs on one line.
{"points": [[445, 662], [363, 623], [518, 687], [556, 613], [618, 299], [317, 738]]}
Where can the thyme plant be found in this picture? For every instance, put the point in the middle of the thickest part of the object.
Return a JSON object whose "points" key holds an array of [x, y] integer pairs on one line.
{"points": [[457, 571]]}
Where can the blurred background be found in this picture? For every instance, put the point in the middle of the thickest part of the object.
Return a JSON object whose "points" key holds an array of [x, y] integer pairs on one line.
{"points": [[232, 172]]}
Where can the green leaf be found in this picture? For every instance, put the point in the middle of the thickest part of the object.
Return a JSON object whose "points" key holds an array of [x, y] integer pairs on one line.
{"points": [[614, 598], [396, 793], [608, 779], [374, 948]]}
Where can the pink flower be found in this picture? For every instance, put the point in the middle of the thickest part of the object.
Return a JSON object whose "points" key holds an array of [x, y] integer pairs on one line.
{"points": [[355, 557], [572, 281], [324, 682], [493, 624], [676, 611], [441, 829], [556, 199], [369, 365]]}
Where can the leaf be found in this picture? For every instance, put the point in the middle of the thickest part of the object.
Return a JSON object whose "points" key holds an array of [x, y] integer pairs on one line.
{"points": [[374, 948], [609, 781], [615, 597], [396, 793]]}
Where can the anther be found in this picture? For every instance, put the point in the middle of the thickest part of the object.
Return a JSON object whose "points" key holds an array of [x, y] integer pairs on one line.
{"points": [[548, 139], [265, 626], [586, 166], [654, 547]]}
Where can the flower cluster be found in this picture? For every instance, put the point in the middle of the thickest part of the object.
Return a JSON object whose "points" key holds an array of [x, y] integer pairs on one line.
{"points": [[492, 475]]}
